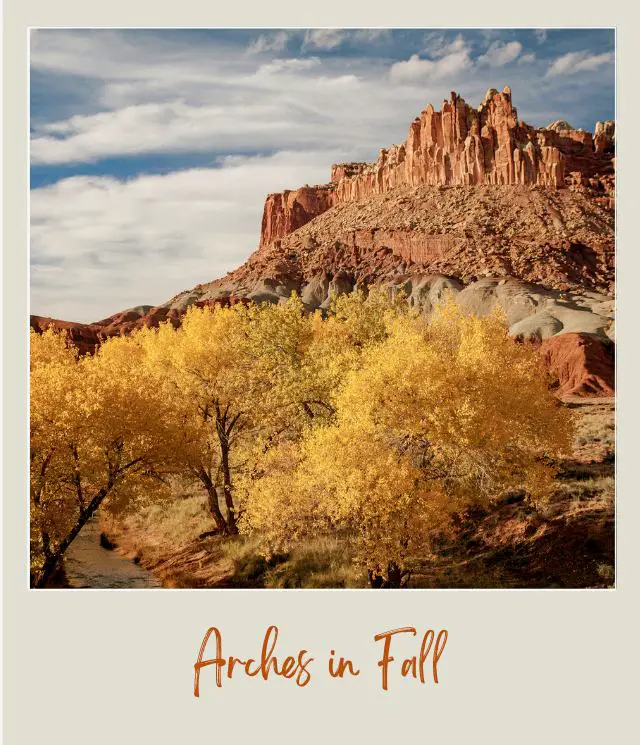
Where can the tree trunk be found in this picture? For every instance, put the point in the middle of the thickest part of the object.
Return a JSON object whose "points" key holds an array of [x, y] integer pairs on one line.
{"points": [[53, 559], [375, 579], [212, 500], [223, 438], [395, 577], [228, 495]]}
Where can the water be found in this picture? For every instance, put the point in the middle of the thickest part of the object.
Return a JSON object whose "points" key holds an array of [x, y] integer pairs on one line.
{"points": [[88, 564]]}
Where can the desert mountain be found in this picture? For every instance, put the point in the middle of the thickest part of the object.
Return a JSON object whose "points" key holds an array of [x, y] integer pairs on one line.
{"points": [[475, 202]]}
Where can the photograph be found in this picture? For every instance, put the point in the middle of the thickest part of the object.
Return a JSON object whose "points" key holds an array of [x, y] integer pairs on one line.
{"points": [[321, 308]]}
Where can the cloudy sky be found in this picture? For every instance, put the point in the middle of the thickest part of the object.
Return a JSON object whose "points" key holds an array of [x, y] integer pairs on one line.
{"points": [[152, 151]]}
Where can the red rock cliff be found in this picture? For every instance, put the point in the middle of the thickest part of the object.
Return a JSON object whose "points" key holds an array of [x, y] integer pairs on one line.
{"points": [[460, 145], [457, 146], [289, 210]]}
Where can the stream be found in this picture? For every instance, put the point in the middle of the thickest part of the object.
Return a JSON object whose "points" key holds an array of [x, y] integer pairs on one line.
{"points": [[88, 565]]}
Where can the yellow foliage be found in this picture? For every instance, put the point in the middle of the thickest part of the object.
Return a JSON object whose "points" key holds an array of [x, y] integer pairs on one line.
{"points": [[435, 418], [93, 434], [369, 421]]}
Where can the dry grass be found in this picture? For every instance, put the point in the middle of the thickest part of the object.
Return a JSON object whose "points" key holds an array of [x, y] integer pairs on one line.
{"points": [[173, 538], [565, 542], [154, 530], [322, 562], [595, 429]]}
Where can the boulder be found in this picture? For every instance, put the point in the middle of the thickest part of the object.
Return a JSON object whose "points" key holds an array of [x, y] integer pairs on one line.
{"points": [[315, 292], [517, 299], [535, 328]]}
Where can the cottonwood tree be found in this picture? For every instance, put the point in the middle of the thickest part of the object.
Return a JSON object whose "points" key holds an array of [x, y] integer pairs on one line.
{"points": [[232, 377], [435, 418], [94, 421], [199, 369], [237, 380], [304, 358]]}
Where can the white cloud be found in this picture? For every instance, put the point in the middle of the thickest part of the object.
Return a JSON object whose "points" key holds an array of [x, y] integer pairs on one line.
{"points": [[437, 45], [124, 55], [176, 99], [288, 65], [369, 35], [131, 67], [574, 62], [526, 59], [269, 43], [99, 244], [298, 115], [324, 38], [540, 34], [171, 127], [499, 54], [449, 63]]}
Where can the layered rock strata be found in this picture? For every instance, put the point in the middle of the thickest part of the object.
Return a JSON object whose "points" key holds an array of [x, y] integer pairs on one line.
{"points": [[458, 146]]}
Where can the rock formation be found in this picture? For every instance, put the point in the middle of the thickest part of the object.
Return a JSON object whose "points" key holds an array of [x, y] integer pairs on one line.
{"points": [[583, 365], [562, 239], [460, 146], [287, 211], [604, 137], [83, 335], [457, 146], [475, 203]]}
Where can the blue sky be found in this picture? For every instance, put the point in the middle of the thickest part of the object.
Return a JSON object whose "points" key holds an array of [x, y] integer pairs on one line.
{"points": [[152, 151]]}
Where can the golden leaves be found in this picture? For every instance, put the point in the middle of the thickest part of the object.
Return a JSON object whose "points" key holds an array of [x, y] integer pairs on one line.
{"points": [[428, 419], [370, 421]]}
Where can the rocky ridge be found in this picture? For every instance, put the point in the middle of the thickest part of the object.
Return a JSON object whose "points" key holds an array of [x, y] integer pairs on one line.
{"points": [[474, 202], [459, 146]]}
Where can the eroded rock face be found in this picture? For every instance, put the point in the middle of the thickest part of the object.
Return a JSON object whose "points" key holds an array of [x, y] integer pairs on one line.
{"points": [[583, 364], [604, 136], [457, 146], [287, 211], [562, 239], [460, 145]]}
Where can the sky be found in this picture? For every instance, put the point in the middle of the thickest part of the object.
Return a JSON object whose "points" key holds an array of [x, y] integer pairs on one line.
{"points": [[152, 150]]}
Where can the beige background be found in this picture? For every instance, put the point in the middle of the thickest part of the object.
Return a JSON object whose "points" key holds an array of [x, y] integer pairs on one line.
{"points": [[116, 666]]}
